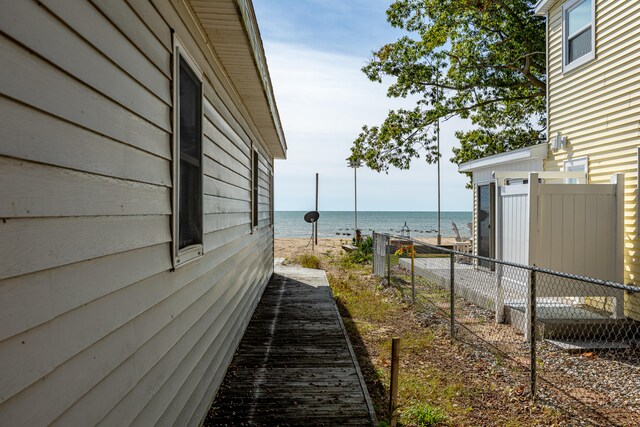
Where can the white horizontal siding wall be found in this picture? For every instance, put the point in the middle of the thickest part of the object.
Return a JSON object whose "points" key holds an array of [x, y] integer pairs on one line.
{"points": [[94, 325]]}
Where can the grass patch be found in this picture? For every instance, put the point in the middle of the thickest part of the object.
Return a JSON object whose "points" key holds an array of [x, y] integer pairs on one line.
{"points": [[432, 384], [423, 415], [365, 304], [308, 261]]}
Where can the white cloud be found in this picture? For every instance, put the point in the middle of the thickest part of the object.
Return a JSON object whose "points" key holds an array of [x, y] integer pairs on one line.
{"points": [[324, 99]]}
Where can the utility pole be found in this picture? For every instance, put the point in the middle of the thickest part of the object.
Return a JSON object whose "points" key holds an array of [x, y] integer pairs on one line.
{"points": [[355, 195], [315, 224], [439, 236], [355, 164]]}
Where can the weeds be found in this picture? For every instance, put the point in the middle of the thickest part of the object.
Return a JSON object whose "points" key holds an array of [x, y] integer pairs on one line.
{"points": [[364, 253], [423, 415], [308, 261], [347, 263]]}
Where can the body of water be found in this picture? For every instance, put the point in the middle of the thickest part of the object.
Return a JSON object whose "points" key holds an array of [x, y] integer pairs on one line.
{"points": [[342, 223]]}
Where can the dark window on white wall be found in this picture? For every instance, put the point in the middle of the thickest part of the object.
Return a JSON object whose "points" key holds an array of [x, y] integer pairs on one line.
{"points": [[190, 177], [271, 194], [254, 195]]}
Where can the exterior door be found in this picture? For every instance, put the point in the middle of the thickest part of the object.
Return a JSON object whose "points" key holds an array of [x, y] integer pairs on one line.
{"points": [[486, 230]]}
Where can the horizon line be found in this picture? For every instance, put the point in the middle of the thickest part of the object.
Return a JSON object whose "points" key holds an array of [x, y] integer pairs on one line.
{"points": [[322, 210]]}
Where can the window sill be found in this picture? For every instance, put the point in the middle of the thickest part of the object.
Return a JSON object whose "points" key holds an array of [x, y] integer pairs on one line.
{"points": [[578, 63], [188, 254]]}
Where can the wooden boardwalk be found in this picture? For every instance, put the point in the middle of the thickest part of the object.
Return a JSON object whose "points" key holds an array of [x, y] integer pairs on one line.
{"points": [[295, 365]]}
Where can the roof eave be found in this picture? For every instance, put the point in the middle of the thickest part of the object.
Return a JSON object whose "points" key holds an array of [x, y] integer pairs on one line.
{"points": [[542, 7], [251, 26], [538, 151], [236, 46]]}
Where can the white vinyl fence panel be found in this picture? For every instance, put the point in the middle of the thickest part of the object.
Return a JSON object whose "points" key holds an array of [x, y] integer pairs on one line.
{"points": [[571, 228]]}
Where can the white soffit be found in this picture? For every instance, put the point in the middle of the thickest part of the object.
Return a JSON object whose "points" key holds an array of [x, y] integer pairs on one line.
{"points": [[233, 32], [538, 151], [542, 7]]}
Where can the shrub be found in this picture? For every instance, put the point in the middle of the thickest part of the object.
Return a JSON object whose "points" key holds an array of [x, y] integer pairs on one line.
{"points": [[364, 253], [308, 261]]}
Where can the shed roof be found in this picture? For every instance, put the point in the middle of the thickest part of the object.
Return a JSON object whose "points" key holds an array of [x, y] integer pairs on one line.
{"points": [[232, 30], [538, 151]]}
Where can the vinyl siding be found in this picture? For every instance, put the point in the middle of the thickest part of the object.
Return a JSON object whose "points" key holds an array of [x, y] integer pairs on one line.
{"points": [[597, 107], [485, 175], [89, 304]]}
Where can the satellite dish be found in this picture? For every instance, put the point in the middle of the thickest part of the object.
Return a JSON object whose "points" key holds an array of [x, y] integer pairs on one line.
{"points": [[311, 217]]}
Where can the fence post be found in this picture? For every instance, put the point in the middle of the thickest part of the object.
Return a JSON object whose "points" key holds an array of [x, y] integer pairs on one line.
{"points": [[499, 294], [393, 385], [413, 277], [388, 253], [376, 251], [532, 332], [452, 304]]}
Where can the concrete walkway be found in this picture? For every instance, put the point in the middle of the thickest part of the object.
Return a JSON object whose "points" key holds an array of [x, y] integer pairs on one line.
{"points": [[295, 365]]}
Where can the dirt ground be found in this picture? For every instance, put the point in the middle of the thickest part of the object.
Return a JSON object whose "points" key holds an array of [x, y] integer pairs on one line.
{"points": [[467, 386]]}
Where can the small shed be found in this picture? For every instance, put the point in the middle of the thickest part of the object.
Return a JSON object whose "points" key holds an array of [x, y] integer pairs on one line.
{"points": [[528, 159]]}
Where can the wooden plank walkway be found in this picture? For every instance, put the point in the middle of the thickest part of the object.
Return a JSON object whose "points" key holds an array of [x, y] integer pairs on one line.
{"points": [[294, 365]]}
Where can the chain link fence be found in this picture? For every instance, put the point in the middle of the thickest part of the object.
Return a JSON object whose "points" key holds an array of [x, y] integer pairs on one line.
{"points": [[570, 341]]}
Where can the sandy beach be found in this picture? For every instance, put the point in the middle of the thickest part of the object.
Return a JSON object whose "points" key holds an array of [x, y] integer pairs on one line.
{"points": [[289, 247]]}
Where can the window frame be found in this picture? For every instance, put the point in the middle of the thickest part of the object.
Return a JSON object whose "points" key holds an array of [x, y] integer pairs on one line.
{"points": [[182, 256], [255, 188], [566, 9], [271, 200], [579, 161]]}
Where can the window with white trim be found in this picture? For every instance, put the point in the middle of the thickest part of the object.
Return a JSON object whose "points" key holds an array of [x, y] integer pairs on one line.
{"points": [[188, 176], [578, 33], [576, 165], [254, 184], [271, 199]]}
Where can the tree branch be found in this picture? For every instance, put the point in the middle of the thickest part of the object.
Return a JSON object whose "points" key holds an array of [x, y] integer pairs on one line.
{"points": [[493, 101]]}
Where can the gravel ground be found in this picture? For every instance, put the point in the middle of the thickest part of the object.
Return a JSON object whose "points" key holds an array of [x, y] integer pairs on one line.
{"points": [[605, 381], [597, 387]]}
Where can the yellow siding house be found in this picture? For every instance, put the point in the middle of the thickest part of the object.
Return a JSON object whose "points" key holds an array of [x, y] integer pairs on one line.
{"points": [[593, 92]]}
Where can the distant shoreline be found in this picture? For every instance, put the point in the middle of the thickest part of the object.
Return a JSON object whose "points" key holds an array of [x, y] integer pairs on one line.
{"points": [[296, 240], [363, 211], [339, 224]]}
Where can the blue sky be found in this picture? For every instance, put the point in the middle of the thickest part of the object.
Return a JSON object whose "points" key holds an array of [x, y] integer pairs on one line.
{"points": [[315, 50]]}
